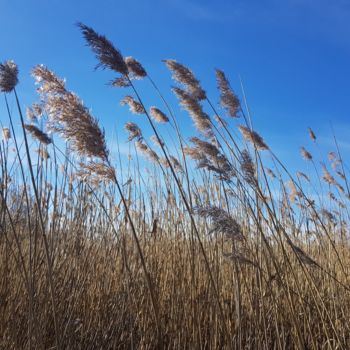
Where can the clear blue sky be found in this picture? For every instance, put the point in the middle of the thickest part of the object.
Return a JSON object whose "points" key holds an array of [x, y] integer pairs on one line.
{"points": [[293, 56]]}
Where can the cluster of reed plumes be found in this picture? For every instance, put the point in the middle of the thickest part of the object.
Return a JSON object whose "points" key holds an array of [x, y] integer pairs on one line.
{"points": [[210, 248]]}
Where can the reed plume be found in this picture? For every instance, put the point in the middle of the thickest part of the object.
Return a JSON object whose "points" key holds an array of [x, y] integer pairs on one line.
{"points": [[205, 147], [228, 98], [294, 193], [135, 68], [147, 151], [30, 115], [38, 134], [270, 173], [222, 222], [158, 115], [253, 137], [199, 117], [69, 117], [176, 164], [303, 175], [327, 177], [302, 255], [107, 55], [8, 76], [6, 133], [248, 167], [305, 154], [96, 172], [156, 141], [134, 131], [312, 135], [185, 76], [134, 106]]}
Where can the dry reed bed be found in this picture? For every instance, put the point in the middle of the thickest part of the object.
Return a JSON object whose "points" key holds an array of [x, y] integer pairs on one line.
{"points": [[210, 249]]}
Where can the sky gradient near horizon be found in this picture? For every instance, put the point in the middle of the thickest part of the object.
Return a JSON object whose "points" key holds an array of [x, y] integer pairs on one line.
{"points": [[292, 55]]}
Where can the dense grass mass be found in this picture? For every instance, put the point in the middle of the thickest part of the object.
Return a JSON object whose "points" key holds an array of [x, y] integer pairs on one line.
{"points": [[217, 245]]}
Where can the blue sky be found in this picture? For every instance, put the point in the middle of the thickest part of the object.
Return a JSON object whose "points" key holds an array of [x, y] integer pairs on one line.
{"points": [[293, 57]]}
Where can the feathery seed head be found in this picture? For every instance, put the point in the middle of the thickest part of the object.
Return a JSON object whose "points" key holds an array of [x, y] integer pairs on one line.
{"points": [[147, 151], [305, 154], [158, 115], [302, 255], [253, 137], [294, 193], [222, 222], [97, 172], [30, 115], [228, 99], [270, 173], [8, 76], [327, 177], [200, 118], [186, 77], [48, 82], [176, 164], [332, 156], [37, 110], [156, 141], [43, 153], [108, 56], [135, 68], [303, 175], [193, 153], [248, 167], [69, 117], [38, 134], [134, 131], [134, 106], [205, 147], [312, 135], [6, 134], [122, 81]]}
